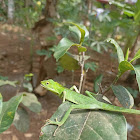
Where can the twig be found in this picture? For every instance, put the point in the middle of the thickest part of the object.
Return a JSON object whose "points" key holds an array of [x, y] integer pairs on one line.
{"points": [[82, 70]]}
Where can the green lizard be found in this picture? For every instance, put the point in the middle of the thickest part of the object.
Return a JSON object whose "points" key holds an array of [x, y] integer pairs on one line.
{"points": [[79, 101]]}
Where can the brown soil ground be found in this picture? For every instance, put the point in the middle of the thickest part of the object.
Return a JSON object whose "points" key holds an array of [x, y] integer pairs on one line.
{"points": [[15, 62]]}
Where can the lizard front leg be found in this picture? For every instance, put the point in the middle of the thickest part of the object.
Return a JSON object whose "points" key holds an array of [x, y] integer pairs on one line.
{"points": [[80, 106]]}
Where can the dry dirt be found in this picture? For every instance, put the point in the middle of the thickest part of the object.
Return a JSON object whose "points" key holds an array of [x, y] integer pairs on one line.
{"points": [[15, 62]]}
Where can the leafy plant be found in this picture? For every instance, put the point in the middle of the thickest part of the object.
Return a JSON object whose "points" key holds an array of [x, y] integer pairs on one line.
{"points": [[80, 124]]}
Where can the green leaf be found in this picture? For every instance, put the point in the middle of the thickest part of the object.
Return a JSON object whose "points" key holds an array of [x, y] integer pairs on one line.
{"points": [[86, 125], [137, 71], [7, 82], [124, 96], [21, 120], [137, 55], [3, 78], [128, 13], [125, 66], [68, 62], [31, 102], [28, 86], [82, 49], [118, 48], [28, 77], [90, 65], [59, 68], [1, 103], [133, 92], [127, 55], [62, 48], [8, 112], [44, 52], [97, 81], [80, 30]]}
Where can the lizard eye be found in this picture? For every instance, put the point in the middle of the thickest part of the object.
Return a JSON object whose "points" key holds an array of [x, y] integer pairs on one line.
{"points": [[47, 83]]}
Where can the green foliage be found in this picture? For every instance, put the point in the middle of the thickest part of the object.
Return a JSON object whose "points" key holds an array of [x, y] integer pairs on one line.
{"points": [[27, 85], [137, 55], [21, 120], [30, 101], [62, 48], [133, 92], [118, 48], [3, 78], [7, 82], [124, 96], [90, 65], [86, 124], [8, 112], [97, 82], [68, 62]]}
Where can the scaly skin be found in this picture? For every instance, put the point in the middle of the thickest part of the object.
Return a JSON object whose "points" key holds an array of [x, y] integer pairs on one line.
{"points": [[80, 101]]}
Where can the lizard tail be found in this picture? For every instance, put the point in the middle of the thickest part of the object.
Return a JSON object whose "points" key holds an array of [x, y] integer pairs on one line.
{"points": [[118, 109]]}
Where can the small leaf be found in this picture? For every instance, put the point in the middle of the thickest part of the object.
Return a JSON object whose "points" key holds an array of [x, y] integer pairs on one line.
{"points": [[137, 55], [128, 13], [28, 86], [59, 68], [68, 62], [86, 125], [62, 48], [90, 65], [84, 32], [3, 78], [21, 120], [76, 30], [28, 77], [97, 81], [44, 52], [125, 66], [124, 96], [31, 102], [137, 71], [127, 55], [133, 92], [82, 49], [8, 112], [118, 48], [1, 103], [7, 82]]}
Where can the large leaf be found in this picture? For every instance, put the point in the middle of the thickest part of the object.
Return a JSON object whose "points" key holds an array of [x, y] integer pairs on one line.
{"points": [[31, 101], [124, 96], [125, 66], [62, 48], [137, 55], [118, 48], [68, 62], [21, 120], [97, 82], [86, 125], [137, 71], [7, 82], [8, 112], [1, 103]]}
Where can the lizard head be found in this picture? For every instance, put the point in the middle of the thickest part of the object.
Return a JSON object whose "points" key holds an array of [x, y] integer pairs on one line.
{"points": [[52, 86]]}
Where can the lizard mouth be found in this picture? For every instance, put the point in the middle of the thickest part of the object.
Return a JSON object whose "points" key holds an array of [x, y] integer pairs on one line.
{"points": [[42, 85]]}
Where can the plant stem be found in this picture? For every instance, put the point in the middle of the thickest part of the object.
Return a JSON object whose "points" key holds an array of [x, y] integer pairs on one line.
{"points": [[82, 62]]}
